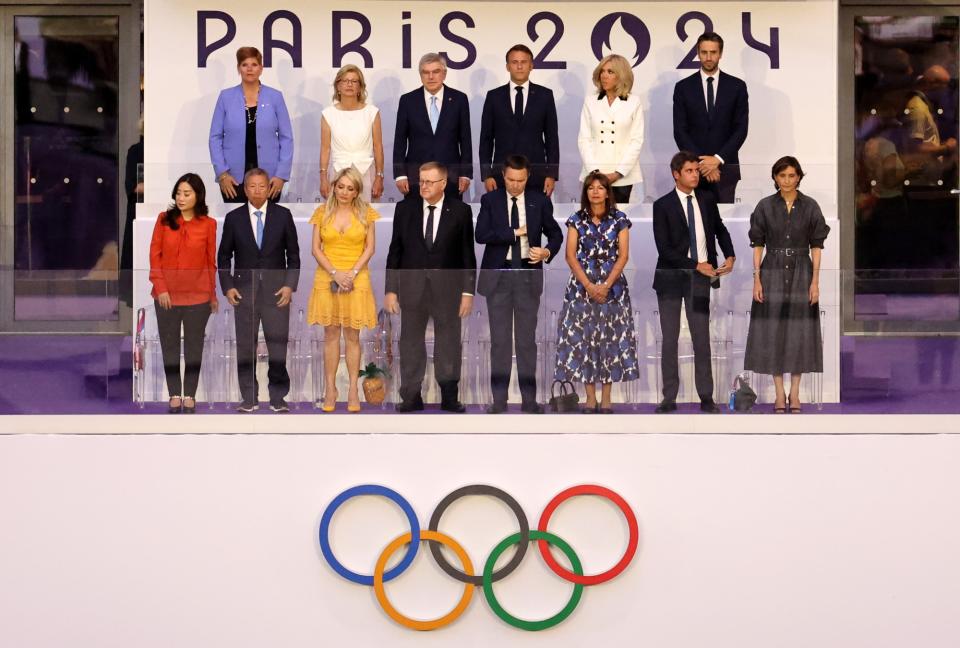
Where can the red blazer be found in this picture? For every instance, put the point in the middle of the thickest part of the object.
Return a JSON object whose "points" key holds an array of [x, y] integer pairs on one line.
{"points": [[183, 261]]}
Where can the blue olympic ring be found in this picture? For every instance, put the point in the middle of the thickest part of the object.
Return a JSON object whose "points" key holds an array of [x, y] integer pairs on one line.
{"points": [[368, 489]]}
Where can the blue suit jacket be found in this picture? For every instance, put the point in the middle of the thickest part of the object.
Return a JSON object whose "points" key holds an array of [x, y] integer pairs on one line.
{"points": [[494, 231], [228, 134], [415, 142], [672, 236], [534, 136], [722, 135]]}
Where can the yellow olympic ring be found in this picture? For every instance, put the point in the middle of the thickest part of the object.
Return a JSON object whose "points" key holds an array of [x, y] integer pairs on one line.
{"points": [[414, 624]]}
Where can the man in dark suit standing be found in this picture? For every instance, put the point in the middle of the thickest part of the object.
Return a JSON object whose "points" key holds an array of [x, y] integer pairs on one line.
{"points": [[687, 228], [710, 116], [259, 240], [431, 273], [433, 125], [520, 118], [512, 222]]}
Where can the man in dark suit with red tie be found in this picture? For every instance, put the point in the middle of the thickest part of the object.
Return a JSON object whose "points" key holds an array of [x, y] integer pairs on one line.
{"points": [[512, 223], [259, 241], [433, 125], [711, 113], [687, 229], [431, 273], [520, 118]]}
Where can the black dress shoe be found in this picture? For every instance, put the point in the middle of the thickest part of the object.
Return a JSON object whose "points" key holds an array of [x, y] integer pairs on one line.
{"points": [[453, 406], [410, 406], [531, 408], [665, 407], [709, 407], [496, 408]]}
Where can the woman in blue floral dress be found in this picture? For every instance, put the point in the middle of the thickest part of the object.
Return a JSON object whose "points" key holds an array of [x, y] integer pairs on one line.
{"points": [[595, 341]]}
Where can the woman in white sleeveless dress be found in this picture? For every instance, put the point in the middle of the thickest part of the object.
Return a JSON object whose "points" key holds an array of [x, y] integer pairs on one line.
{"points": [[350, 135]]}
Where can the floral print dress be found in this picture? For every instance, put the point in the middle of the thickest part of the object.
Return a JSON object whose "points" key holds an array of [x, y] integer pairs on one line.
{"points": [[595, 342]]}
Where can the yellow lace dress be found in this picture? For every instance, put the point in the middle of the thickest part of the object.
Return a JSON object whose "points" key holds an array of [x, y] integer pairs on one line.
{"points": [[356, 308]]}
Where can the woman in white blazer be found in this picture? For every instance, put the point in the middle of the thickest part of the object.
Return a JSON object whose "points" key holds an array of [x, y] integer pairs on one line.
{"points": [[611, 128]]}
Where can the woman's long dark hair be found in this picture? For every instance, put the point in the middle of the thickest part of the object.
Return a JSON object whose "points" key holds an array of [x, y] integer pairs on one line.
{"points": [[611, 204], [200, 209]]}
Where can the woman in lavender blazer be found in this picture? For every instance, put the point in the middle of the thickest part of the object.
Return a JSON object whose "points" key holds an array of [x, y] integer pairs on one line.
{"points": [[250, 128]]}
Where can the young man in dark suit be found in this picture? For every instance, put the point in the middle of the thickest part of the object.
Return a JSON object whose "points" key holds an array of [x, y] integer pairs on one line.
{"points": [[259, 241], [710, 116], [431, 273], [433, 125], [520, 118], [512, 223], [687, 229]]}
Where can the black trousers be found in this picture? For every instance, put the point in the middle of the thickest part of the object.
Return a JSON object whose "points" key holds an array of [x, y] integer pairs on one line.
{"points": [[621, 195], [723, 192], [259, 307], [444, 309], [193, 320], [512, 311], [696, 294]]}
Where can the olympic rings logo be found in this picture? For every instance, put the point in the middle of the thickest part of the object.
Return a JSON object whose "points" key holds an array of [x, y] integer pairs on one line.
{"points": [[466, 573]]}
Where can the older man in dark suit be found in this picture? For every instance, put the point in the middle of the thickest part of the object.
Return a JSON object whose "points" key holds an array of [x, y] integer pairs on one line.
{"points": [[711, 113], [431, 273], [520, 118], [512, 223], [433, 125], [687, 228], [259, 241]]}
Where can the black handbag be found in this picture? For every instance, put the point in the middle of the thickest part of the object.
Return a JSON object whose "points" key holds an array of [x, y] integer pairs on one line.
{"points": [[743, 396], [565, 401]]}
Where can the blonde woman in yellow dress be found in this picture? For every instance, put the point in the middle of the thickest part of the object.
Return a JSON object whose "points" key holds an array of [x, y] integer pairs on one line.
{"points": [[342, 297]]}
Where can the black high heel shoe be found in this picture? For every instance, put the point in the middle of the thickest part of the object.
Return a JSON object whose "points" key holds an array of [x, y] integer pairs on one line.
{"points": [[175, 409], [189, 409]]}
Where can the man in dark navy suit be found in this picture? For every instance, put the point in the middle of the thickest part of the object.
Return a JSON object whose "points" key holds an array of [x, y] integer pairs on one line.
{"points": [[710, 117], [433, 125], [259, 241], [512, 223], [687, 228], [431, 273], [520, 118]]}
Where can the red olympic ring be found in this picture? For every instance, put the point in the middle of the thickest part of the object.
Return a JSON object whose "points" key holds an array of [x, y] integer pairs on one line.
{"points": [[613, 572]]}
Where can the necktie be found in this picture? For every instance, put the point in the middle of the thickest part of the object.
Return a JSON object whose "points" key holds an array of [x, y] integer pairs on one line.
{"points": [[434, 113], [710, 97], [428, 235], [518, 104], [259, 215], [515, 260], [692, 226]]}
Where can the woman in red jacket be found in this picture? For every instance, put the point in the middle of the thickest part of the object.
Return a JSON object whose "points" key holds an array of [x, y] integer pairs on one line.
{"points": [[183, 273]]}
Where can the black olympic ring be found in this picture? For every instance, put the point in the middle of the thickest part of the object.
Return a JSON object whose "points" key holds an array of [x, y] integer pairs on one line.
{"points": [[503, 496]]}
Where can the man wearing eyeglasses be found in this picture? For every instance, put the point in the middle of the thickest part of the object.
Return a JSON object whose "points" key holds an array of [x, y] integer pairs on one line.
{"points": [[431, 273]]}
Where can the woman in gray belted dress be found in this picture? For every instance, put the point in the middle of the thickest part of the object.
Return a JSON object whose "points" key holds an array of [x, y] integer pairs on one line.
{"points": [[784, 334]]}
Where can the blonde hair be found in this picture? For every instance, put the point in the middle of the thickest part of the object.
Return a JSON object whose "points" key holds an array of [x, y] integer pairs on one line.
{"points": [[344, 71], [621, 68], [359, 204]]}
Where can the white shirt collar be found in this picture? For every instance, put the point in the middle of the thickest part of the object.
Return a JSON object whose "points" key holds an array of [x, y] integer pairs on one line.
{"points": [[439, 96], [438, 205]]}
